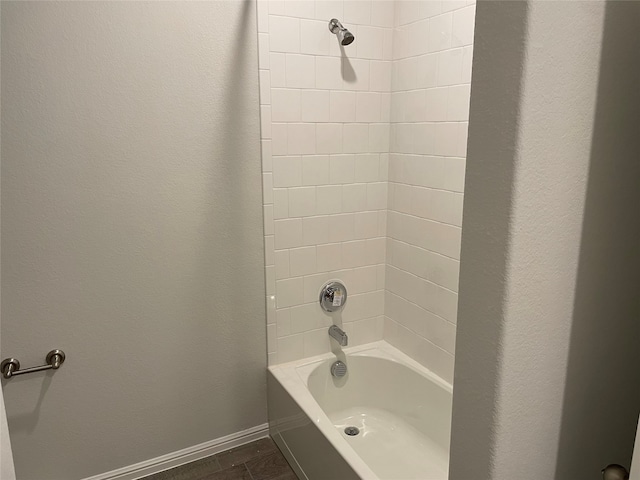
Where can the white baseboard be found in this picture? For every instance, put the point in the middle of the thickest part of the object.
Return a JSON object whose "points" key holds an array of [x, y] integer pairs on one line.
{"points": [[175, 459]]}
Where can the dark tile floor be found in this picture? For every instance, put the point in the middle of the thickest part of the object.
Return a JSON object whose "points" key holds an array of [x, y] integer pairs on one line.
{"points": [[259, 460]]}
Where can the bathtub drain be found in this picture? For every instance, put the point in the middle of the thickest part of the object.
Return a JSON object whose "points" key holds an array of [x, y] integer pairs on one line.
{"points": [[352, 431]]}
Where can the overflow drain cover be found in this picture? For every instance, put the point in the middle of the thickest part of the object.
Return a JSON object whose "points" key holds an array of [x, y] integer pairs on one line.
{"points": [[352, 431]]}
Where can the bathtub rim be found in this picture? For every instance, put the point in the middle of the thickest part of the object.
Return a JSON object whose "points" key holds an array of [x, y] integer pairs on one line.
{"points": [[294, 375]]}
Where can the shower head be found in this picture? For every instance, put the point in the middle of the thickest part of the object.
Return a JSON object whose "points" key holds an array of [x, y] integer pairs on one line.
{"points": [[345, 37]]}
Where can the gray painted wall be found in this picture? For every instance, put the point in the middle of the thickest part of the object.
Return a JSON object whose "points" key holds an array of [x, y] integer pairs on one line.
{"points": [[131, 230], [547, 356]]}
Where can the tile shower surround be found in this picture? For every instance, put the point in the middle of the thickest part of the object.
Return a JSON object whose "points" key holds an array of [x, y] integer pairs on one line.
{"points": [[363, 167]]}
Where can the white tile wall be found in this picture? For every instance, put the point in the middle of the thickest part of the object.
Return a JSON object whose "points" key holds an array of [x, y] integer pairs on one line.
{"points": [[363, 161], [325, 118], [429, 114]]}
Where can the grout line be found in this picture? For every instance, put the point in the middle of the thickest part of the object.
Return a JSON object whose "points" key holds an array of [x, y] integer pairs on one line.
{"points": [[247, 469], [424, 280], [421, 336], [422, 186], [425, 250], [426, 219], [420, 307]]}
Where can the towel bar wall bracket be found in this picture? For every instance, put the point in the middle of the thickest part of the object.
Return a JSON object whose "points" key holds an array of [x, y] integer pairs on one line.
{"points": [[10, 367]]}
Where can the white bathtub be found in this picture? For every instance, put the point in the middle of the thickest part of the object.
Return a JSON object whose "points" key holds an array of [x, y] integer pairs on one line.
{"points": [[402, 409]]}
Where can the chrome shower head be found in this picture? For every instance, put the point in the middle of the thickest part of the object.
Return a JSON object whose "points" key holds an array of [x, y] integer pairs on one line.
{"points": [[345, 37]]}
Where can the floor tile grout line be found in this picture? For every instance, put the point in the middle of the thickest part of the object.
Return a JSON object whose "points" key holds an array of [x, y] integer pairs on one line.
{"points": [[249, 470]]}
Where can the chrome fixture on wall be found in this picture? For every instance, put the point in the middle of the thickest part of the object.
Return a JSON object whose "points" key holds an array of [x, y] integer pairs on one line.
{"points": [[345, 37], [339, 335], [333, 296], [338, 369], [10, 367]]}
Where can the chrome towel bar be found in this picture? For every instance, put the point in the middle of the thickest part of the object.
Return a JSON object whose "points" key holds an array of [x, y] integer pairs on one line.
{"points": [[10, 367]]}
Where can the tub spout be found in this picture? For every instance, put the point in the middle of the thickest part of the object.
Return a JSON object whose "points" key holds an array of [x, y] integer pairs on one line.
{"points": [[337, 333]]}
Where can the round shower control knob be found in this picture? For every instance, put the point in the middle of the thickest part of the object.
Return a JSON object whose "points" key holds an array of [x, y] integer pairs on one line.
{"points": [[333, 296]]}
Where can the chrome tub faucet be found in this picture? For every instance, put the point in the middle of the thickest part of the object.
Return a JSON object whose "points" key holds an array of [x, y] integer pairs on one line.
{"points": [[338, 334]]}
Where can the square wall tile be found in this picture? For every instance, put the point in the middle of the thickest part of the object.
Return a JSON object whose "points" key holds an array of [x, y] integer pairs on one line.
{"points": [[265, 87], [342, 106], [436, 102], [282, 264], [341, 169], [368, 107], [355, 138], [342, 228], [265, 122], [271, 339], [262, 12], [278, 70], [379, 137], [269, 250], [366, 225], [276, 7], [329, 73], [288, 233], [300, 8], [302, 261], [267, 188], [313, 37], [357, 11], [354, 254], [426, 71], [329, 138], [430, 8], [355, 73], [329, 257], [463, 26], [467, 59], [278, 139], [300, 71], [268, 220], [451, 5], [354, 197], [289, 292], [267, 159], [290, 348], [301, 138], [315, 106], [382, 13], [458, 102], [327, 9], [370, 42], [263, 50], [418, 35], [376, 196], [316, 342], [287, 171], [303, 318], [407, 11], [302, 202], [329, 198], [450, 67], [367, 168], [315, 230], [440, 31], [315, 169], [284, 34], [280, 203], [380, 76], [283, 322], [285, 105]]}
